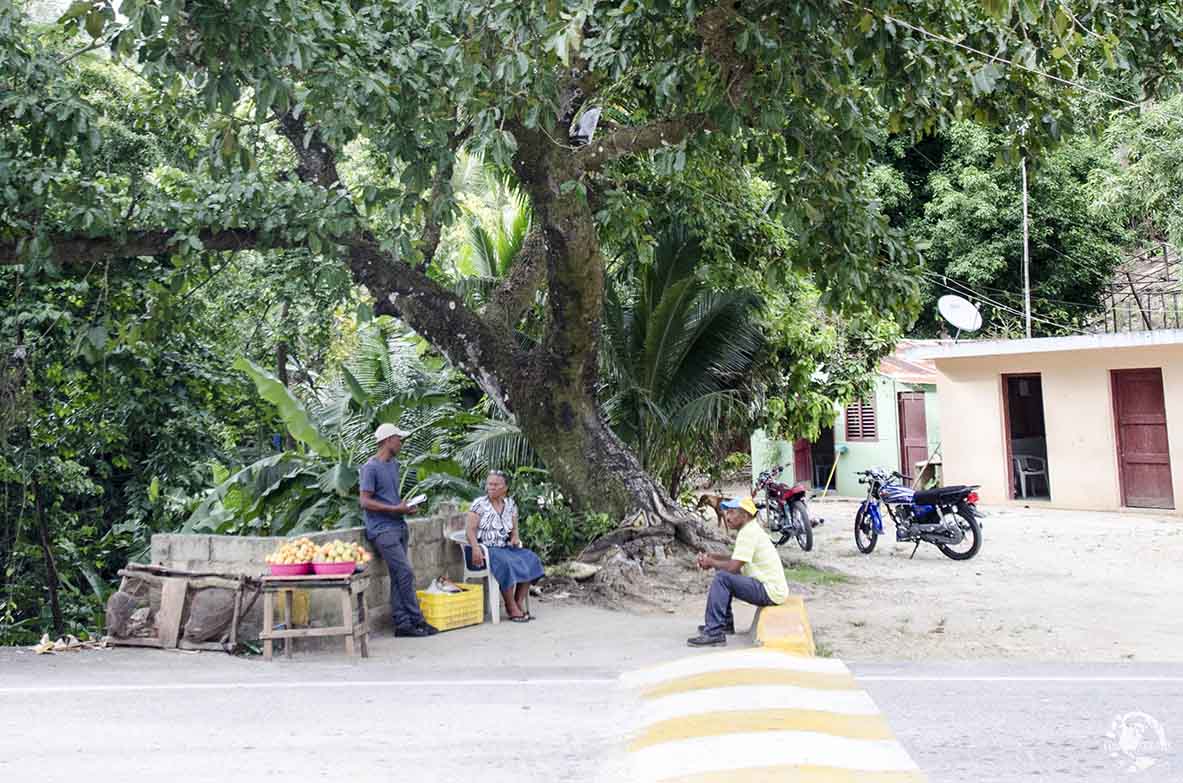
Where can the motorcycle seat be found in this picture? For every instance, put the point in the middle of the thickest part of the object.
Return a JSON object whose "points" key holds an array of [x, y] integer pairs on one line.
{"points": [[939, 495]]}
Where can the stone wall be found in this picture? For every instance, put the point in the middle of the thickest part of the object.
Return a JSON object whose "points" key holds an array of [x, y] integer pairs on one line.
{"points": [[431, 555]]}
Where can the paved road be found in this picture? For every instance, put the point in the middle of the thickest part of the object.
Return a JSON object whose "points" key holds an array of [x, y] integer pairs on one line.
{"points": [[511, 703], [1023, 722], [464, 708], [497, 725]]}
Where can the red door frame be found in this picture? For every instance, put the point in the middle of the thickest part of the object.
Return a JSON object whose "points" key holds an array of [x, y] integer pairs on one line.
{"points": [[1113, 400]]}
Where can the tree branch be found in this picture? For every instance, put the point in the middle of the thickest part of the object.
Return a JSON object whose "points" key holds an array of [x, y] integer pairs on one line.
{"points": [[474, 347], [629, 141], [429, 240], [514, 295], [74, 250], [715, 27], [481, 352], [317, 163]]}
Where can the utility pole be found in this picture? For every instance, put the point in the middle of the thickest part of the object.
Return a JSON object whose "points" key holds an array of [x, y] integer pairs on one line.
{"points": [[1026, 256]]}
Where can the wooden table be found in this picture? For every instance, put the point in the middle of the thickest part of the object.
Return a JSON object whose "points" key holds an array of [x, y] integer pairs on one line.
{"points": [[348, 585]]}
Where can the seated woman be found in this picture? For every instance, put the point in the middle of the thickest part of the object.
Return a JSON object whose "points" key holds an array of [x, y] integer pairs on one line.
{"points": [[493, 521]]}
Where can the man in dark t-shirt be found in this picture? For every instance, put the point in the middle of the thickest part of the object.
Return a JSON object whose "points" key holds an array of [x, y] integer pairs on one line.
{"points": [[387, 530]]}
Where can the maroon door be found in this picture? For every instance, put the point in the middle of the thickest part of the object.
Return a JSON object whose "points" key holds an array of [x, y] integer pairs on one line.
{"points": [[1143, 456], [913, 431], [802, 461]]}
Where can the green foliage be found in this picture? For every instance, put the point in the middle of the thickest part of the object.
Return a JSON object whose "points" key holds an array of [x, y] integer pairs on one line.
{"points": [[550, 526], [561, 534], [1141, 184], [805, 574], [388, 380], [958, 196]]}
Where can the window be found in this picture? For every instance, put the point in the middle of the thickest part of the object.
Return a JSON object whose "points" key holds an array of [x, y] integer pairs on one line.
{"points": [[860, 421]]}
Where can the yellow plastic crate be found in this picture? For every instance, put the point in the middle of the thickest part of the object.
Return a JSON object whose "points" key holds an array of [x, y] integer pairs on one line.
{"points": [[454, 610]]}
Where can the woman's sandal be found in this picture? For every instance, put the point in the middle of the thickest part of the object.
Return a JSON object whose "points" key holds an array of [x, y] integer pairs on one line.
{"points": [[521, 618]]}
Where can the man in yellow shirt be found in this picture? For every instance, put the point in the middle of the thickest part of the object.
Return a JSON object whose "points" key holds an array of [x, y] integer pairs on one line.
{"points": [[753, 573]]}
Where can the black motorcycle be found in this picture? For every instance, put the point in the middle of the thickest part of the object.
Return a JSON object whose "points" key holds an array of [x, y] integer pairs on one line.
{"points": [[947, 517]]}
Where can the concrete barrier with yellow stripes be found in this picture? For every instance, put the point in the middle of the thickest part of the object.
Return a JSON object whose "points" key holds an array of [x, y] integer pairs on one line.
{"points": [[761, 715], [784, 627]]}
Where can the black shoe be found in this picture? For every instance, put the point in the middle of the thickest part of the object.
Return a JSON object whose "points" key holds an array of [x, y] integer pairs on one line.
{"points": [[729, 630], [702, 640], [431, 629], [416, 631]]}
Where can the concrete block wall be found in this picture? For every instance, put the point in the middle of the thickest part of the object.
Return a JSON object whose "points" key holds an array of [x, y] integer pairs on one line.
{"points": [[431, 553]]}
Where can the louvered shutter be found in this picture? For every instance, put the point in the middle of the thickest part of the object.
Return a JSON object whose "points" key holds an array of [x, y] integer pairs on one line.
{"points": [[860, 421]]}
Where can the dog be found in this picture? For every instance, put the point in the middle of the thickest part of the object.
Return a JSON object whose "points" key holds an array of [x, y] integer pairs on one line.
{"points": [[712, 502]]}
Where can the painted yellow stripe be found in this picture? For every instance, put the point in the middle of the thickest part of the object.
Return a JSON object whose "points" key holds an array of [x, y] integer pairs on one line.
{"points": [[732, 677], [714, 724], [802, 773], [786, 628]]}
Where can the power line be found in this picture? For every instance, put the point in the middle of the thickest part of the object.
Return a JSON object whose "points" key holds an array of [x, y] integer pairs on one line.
{"points": [[994, 57], [944, 280]]}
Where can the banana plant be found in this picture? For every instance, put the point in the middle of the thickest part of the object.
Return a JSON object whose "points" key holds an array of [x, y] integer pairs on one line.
{"points": [[314, 485]]}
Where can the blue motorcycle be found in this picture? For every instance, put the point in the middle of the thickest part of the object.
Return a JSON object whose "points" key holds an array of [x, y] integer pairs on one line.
{"points": [[946, 517]]}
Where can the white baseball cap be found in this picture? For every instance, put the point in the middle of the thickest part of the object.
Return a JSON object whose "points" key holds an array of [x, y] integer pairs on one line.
{"points": [[385, 431]]}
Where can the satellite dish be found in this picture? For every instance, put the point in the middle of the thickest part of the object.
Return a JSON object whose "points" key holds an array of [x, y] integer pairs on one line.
{"points": [[960, 312]]}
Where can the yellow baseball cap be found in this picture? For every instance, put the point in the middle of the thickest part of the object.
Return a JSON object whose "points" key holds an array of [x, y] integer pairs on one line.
{"points": [[747, 504]]}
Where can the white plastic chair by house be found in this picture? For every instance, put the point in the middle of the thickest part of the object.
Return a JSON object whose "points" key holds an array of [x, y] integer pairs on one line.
{"points": [[1027, 466], [459, 537]]}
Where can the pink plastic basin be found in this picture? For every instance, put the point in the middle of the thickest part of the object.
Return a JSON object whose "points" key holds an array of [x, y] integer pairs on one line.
{"points": [[334, 568], [295, 569]]}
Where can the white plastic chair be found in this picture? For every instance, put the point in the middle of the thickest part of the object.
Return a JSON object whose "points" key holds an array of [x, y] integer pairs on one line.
{"points": [[492, 588], [1027, 466], [460, 537]]}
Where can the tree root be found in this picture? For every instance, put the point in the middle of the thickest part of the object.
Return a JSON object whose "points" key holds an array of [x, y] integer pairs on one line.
{"points": [[650, 541]]}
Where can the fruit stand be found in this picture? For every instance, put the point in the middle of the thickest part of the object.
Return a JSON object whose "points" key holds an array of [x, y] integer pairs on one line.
{"points": [[303, 565], [352, 588]]}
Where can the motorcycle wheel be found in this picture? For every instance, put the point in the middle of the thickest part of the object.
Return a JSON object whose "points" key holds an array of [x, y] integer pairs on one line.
{"points": [[804, 530], [865, 536], [973, 534]]}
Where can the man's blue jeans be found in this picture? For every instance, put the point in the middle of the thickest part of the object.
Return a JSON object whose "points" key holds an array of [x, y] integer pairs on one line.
{"points": [[725, 587], [404, 604]]}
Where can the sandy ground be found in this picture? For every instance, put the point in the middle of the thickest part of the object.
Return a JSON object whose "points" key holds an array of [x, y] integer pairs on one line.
{"points": [[1047, 585]]}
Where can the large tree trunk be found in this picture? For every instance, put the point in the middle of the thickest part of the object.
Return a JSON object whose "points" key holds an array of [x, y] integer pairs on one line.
{"points": [[595, 469], [553, 390]]}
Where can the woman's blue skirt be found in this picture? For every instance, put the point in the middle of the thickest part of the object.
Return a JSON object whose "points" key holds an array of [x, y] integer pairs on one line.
{"points": [[511, 566]]}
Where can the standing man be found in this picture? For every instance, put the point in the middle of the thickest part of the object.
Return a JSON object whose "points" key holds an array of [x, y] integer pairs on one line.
{"points": [[387, 530], [753, 573]]}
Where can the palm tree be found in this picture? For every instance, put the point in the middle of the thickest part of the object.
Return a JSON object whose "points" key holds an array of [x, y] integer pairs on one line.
{"points": [[677, 357], [498, 220]]}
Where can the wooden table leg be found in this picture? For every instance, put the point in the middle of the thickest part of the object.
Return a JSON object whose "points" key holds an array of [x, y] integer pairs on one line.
{"points": [[268, 623], [287, 621], [237, 616], [363, 618], [347, 620]]}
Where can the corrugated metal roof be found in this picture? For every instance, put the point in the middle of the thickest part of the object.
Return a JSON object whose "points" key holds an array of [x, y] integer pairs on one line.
{"points": [[901, 367]]}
